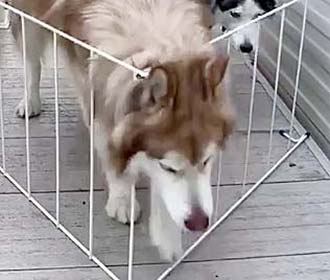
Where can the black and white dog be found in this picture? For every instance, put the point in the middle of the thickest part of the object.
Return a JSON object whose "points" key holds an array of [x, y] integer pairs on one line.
{"points": [[237, 12]]}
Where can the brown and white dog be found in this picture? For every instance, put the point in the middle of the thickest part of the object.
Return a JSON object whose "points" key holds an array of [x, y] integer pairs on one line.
{"points": [[169, 125]]}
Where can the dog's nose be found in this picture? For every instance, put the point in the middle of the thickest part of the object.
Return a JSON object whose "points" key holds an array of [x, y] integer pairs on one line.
{"points": [[197, 220], [246, 48]]}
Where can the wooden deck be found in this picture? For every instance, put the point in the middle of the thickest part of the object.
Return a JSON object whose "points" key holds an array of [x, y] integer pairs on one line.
{"points": [[281, 232]]}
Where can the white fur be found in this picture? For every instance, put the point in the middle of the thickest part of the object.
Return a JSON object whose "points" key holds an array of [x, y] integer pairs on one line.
{"points": [[118, 205], [174, 196], [164, 232], [191, 186], [248, 10]]}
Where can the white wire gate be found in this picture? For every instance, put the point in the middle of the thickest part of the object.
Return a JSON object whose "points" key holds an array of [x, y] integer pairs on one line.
{"points": [[292, 146]]}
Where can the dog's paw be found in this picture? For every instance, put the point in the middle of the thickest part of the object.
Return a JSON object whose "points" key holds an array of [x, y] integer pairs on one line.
{"points": [[34, 108], [168, 245], [167, 252], [119, 208]]}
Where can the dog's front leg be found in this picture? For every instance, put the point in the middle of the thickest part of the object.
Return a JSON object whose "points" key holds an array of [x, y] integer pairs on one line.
{"points": [[119, 200], [164, 233], [120, 185]]}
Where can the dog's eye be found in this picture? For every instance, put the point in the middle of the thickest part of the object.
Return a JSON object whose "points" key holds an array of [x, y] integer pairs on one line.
{"points": [[235, 14], [168, 169], [206, 162]]}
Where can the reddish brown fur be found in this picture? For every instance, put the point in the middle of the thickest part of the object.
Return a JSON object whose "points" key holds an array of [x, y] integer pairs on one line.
{"points": [[193, 115], [193, 112]]}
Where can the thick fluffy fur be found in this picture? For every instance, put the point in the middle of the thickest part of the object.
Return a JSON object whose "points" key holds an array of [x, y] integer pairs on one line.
{"points": [[168, 125]]}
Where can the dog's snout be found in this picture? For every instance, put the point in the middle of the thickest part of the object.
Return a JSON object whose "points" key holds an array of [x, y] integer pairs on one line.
{"points": [[246, 47], [197, 220]]}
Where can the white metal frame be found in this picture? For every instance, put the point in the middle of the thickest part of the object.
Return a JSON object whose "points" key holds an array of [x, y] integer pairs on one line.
{"points": [[95, 52]]}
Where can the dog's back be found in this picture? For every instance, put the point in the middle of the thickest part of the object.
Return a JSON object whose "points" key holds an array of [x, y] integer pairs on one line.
{"points": [[164, 27]]}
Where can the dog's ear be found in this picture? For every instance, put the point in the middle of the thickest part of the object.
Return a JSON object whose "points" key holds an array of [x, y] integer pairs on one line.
{"points": [[152, 91], [158, 84], [215, 70]]}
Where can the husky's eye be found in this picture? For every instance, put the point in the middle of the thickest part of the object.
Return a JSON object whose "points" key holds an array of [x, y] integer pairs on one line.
{"points": [[235, 14], [168, 168], [206, 162]]}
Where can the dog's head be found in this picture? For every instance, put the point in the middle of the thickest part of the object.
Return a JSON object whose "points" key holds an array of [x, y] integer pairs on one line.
{"points": [[238, 12], [179, 118]]}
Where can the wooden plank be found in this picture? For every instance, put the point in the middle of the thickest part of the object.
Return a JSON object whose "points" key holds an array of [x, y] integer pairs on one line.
{"points": [[262, 114], [13, 83], [74, 164], [58, 274], [5, 185], [283, 219], [280, 219], [29, 240], [307, 267], [44, 126], [241, 77], [301, 166], [111, 238], [8, 53]]}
